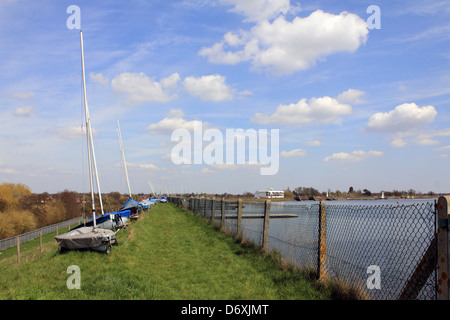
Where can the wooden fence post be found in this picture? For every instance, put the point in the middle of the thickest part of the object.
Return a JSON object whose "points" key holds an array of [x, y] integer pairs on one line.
{"points": [[239, 218], [222, 218], [435, 256], [322, 249], [56, 229], [265, 244], [18, 249], [204, 209], [213, 210], [40, 241], [443, 248]]}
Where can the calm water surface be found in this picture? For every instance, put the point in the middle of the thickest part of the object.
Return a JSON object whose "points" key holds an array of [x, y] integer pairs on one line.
{"points": [[392, 234]]}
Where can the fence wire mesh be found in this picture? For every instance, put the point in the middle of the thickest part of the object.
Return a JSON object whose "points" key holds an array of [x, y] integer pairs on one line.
{"points": [[397, 240], [253, 222], [296, 237], [393, 238]]}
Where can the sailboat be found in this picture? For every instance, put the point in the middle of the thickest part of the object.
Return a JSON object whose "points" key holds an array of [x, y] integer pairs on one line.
{"points": [[153, 199], [91, 237], [131, 208]]}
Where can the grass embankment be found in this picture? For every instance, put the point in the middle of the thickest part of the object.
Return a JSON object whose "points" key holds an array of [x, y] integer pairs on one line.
{"points": [[169, 254]]}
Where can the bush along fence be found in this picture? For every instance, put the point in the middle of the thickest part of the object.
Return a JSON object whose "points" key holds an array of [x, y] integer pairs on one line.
{"points": [[387, 252], [16, 241]]}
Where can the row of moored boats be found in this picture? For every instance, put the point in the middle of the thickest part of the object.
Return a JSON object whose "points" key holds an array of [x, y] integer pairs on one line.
{"points": [[99, 233]]}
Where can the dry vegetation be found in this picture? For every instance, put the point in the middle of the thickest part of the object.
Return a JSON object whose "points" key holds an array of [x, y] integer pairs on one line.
{"points": [[22, 211]]}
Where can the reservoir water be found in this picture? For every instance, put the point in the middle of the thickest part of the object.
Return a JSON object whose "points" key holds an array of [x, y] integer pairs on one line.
{"points": [[391, 235]]}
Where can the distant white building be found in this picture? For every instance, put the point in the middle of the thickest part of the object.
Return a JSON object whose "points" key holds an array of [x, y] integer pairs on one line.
{"points": [[270, 194]]}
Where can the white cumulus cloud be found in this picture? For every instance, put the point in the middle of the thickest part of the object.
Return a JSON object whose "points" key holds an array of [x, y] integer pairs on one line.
{"points": [[314, 143], [24, 111], [284, 47], [324, 110], [429, 137], [73, 132], [140, 89], [296, 153], [357, 155], [174, 120], [398, 142], [208, 88], [99, 78], [257, 10], [352, 96], [405, 117], [146, 166]]}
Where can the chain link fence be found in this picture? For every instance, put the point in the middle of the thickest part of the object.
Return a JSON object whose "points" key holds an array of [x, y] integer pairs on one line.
{"points": [[355, 242], [12, 242], [391, 238], [296, 238]]}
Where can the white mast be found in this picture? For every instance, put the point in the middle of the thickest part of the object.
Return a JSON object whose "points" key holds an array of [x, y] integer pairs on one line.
{"points": [[90, 140], [151, 188], [123, 158]]}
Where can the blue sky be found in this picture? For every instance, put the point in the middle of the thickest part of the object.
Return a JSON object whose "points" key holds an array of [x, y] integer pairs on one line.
{"points": [[355, 105]]}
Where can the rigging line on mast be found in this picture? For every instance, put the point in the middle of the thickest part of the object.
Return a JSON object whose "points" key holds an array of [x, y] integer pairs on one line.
{"points": [[91, 149], [123, 158], [87, 133], [83, 157]]}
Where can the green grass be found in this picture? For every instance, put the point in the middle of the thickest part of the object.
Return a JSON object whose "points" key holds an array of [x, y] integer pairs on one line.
{"points": [[169, 254]]}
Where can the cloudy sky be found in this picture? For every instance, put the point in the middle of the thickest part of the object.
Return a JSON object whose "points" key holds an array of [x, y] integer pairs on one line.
{"points": [[360, 96]]}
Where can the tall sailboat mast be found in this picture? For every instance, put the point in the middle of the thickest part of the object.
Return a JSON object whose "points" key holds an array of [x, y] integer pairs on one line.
{"points": [[153, 191], [123, 158], [90, 141]]}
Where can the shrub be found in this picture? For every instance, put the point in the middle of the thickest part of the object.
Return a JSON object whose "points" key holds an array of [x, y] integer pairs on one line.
{"points": [[56, 212], [71, 205], [10, 194], [16, 222]]}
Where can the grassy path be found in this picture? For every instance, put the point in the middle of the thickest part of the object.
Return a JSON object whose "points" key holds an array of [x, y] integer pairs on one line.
{"points": [[169, 254]]}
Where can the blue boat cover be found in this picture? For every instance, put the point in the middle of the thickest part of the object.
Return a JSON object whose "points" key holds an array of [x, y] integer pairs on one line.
{"points": [[124, 213], [132, 205]]}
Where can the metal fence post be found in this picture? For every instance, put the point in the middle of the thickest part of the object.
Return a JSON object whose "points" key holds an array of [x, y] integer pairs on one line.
{"points": [[265, 244], [322, 248]]}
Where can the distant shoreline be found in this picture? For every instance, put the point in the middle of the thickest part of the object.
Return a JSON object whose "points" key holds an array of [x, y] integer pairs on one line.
{"points": [[335, 199]]}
